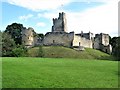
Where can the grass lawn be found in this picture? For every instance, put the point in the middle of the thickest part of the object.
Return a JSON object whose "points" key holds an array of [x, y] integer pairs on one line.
{"points": [[59, 73]]}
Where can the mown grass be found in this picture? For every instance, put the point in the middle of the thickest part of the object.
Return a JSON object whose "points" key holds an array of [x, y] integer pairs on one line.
{"points": [[0, 73], [59, 73], [63, 52]]}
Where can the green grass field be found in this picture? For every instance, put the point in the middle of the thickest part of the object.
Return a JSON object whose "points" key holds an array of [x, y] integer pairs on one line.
{"points": [[59, 73]]}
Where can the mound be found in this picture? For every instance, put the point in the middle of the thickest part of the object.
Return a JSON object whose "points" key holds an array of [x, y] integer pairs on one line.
{"points": [[64, 52]]}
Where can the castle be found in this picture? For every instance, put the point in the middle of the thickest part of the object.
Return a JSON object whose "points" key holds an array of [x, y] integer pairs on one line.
{"points": [[60, 36]]}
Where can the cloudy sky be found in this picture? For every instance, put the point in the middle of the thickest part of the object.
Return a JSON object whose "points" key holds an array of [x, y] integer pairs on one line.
{"points": [[82, 15]]}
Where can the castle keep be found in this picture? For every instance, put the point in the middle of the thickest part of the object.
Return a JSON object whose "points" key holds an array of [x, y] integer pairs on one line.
{"points": [[60, 36], [60, 24]]}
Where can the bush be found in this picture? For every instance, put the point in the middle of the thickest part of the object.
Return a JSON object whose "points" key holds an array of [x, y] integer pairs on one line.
{"points": [[19, 51], [40, 53]]}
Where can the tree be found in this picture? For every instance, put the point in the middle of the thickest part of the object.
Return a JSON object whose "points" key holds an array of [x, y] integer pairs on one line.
{"points": [[15, 30], [41, 35], [0, 43], [8, 44], [117, 48], [40, 53], [115, 42]]}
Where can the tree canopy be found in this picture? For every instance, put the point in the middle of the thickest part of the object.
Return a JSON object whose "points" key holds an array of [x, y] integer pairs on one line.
{"points": [[15, 30], [8, 44], [115, 42]]}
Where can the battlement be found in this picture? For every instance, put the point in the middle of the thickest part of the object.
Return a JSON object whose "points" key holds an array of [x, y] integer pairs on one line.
{"points": [[88, 35]]}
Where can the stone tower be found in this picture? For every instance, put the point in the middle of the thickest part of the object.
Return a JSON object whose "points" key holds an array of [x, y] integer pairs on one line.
{"points": [[101, 41], [105, 39], [60, 23], [28, 37]]}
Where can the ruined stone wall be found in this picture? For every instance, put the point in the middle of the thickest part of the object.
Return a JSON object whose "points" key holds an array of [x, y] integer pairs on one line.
{"points": [[80, 41], [106, 49], [97, 41], [57, 38], [35, 42]]}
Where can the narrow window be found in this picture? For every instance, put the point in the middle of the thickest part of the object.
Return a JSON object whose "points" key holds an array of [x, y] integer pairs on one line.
{"points": [[79, 43], [53, 41]]}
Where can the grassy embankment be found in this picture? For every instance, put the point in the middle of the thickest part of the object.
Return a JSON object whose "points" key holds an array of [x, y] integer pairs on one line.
{"points": [[63, 52]]}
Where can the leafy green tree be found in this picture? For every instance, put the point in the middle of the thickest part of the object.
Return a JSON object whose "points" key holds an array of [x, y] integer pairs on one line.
{"points": [[0, 43], [15, 30], [117, 48], [40, 53], [8, 44], [115, 42], [41, 35]]}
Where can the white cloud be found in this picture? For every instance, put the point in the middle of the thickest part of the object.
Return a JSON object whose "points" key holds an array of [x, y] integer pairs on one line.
{"points": [[100, 19], [93, 0], [26, 17], [40, 24], [48, 15], [37, 5]]}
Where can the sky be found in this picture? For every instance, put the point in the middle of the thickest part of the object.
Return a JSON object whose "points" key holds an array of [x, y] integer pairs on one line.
{"points": [[96, 16]]}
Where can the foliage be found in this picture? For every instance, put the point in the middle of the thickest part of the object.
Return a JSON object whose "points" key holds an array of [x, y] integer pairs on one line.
{"points": [[0, 43], [19, 51], [59, 73], [8, 45], [40, 52], [41, 36], [10, 49], [117, 48], [115, 42], [15, 30]]}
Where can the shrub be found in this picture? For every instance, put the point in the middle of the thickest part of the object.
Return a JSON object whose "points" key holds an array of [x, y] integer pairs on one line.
{"points": [[40, 52], [19, 51]]}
